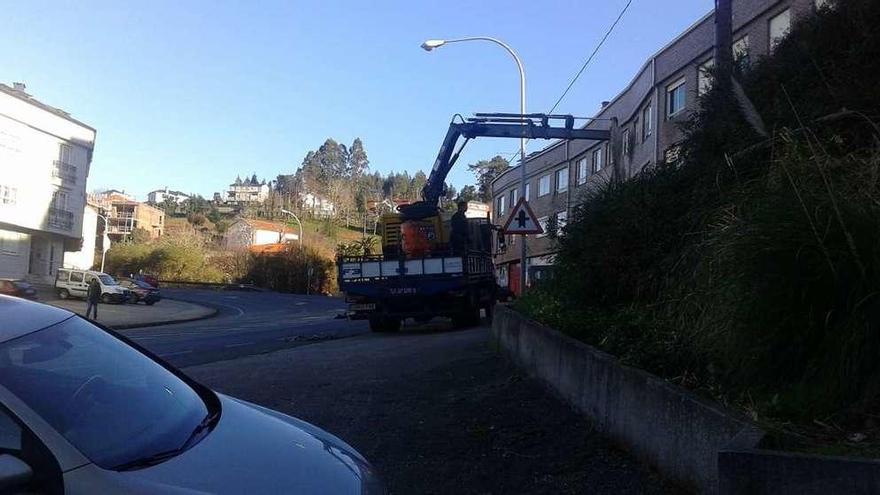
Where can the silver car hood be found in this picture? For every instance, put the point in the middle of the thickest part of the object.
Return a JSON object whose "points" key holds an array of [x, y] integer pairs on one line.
{"points": [[251, 450]]}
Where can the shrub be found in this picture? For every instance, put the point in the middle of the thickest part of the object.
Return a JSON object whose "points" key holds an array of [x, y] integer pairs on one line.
{"points": [[299, 270]]}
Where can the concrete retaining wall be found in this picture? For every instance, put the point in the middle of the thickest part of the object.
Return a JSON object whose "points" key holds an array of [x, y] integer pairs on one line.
{"points": [[659, 422], [691, 440]]}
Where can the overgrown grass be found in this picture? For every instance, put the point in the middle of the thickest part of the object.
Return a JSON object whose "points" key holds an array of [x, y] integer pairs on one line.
{"points": [[752, 269]]}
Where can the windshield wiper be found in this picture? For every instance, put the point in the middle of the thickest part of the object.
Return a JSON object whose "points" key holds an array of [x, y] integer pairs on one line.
{"points": [[160, 457], [206, 424], [150, 460]]}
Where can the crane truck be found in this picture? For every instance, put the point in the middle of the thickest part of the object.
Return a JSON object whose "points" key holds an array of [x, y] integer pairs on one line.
{"points": [[418, 274]]}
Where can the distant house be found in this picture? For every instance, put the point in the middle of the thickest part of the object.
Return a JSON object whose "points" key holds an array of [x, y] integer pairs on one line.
{"points": [[246, 233], [159, 196], [317, 206], [247, 191], [123, 217]]}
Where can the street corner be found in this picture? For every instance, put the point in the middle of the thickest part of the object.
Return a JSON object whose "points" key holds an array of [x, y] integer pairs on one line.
{"points": [[121, 316]]}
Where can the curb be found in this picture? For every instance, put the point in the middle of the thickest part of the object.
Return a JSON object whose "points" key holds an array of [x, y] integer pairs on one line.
{"points": [[126, 326]]}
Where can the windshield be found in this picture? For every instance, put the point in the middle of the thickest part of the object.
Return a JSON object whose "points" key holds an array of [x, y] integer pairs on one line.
{"points": [[110, 401], [107, 280]]}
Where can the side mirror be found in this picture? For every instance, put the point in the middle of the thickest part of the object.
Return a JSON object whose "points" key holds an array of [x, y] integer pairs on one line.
{"points": [[14, 472]]}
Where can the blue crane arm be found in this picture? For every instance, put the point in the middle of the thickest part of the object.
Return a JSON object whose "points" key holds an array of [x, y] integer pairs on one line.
{"points": [[531, 126]]}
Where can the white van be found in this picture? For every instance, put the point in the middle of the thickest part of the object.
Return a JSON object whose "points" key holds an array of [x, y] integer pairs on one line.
{"points": [[75, 283]]}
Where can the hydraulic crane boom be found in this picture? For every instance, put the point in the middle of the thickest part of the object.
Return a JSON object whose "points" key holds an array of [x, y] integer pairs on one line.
{"points": [[530, 126]]}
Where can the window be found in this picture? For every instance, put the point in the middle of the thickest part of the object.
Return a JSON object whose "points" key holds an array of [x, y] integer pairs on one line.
{"points": [[780, 25], [562, 180], [675, 97], [528, 190], [8, 195], [597, 159], [60, 200], [647, 123], [499, 206], [76, 277], [46, 370], [704, 77], [513, 193], [582, 171], [741, 52], [544, 185], [627, 141], [542, 221]]}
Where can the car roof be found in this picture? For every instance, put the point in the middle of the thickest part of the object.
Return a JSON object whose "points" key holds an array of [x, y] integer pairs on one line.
{"points": [[21, 317]]}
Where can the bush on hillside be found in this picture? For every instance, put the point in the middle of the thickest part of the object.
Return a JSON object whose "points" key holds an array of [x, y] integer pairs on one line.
{"points": [[757, 258], [298, 270]]}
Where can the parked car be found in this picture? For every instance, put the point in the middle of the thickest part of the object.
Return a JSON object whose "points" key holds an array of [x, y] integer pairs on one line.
{"points": [[150, 279], [17, 288], [75, 283], [140, 291], [83, 410]]}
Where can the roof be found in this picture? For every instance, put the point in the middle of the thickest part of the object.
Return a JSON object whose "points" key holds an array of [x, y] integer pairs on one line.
{"points": [[276, 248], [21, 95], [21, 317], [267, 225], [169, 191]]}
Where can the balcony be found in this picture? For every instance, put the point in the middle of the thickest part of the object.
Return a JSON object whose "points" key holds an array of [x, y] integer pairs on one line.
{"points": [[65, 171], [60, 219]]}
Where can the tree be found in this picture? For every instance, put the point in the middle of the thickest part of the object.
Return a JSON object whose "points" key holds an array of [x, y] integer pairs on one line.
{"points": [[169, 206], [358, 163], [486, 172], [468, 193]]}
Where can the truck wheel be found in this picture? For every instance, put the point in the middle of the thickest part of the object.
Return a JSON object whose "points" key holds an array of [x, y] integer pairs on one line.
{"points": [[384, 325], [64, 294], [106, 299]]}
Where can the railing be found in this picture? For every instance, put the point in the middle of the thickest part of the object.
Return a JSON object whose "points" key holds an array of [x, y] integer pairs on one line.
{"points": [[64, 171], [60, 219]]}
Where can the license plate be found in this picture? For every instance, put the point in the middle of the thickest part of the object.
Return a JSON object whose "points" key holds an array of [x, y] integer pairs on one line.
{"points": [[361, 307]]}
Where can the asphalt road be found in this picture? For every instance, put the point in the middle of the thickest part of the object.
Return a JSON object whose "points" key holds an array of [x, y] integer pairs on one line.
{"points": [[435, 410], [247, 323]]}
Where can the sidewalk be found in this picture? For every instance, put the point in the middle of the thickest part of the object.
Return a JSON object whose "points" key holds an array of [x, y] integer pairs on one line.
{"points": [[119, 316]]}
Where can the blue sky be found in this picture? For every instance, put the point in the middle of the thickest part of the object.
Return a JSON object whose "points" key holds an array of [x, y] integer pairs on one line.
{"points": [[189, 94]]}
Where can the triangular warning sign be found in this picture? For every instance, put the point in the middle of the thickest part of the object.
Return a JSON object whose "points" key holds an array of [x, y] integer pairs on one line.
{"points": [[522, 220]]}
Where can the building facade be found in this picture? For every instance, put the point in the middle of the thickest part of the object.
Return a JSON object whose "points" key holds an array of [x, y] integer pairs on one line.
{"points": [[84, 258], [246, 233], [159, 196], [649, 111], [123, 217], [45, 156], [247, 191]]}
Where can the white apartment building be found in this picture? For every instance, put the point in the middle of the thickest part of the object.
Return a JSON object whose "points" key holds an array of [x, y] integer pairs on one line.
{"points": [[45, 156], [159, 196]]}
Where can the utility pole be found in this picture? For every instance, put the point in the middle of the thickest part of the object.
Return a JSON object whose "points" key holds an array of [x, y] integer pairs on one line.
{"points": [[723, 43]]}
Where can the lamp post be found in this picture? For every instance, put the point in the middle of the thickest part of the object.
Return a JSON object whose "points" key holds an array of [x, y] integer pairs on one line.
{"points": [[298, 222], [431, 45]]}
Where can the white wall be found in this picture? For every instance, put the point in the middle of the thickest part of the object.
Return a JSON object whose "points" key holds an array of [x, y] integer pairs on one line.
{"points": [[14, 251], [85, 257], [265, 237], [26, 164]]}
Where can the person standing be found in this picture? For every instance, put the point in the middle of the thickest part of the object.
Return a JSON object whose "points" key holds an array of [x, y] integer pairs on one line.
{"points": [[459, 235], [93, 297]]}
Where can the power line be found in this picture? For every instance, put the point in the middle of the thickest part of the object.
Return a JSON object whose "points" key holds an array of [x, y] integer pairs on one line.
{"points": [[593, 54], [586, 63]]}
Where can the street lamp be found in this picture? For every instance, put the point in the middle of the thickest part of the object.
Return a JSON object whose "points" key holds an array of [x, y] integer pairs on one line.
{"points": [[298, 222], [430, 45]]}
